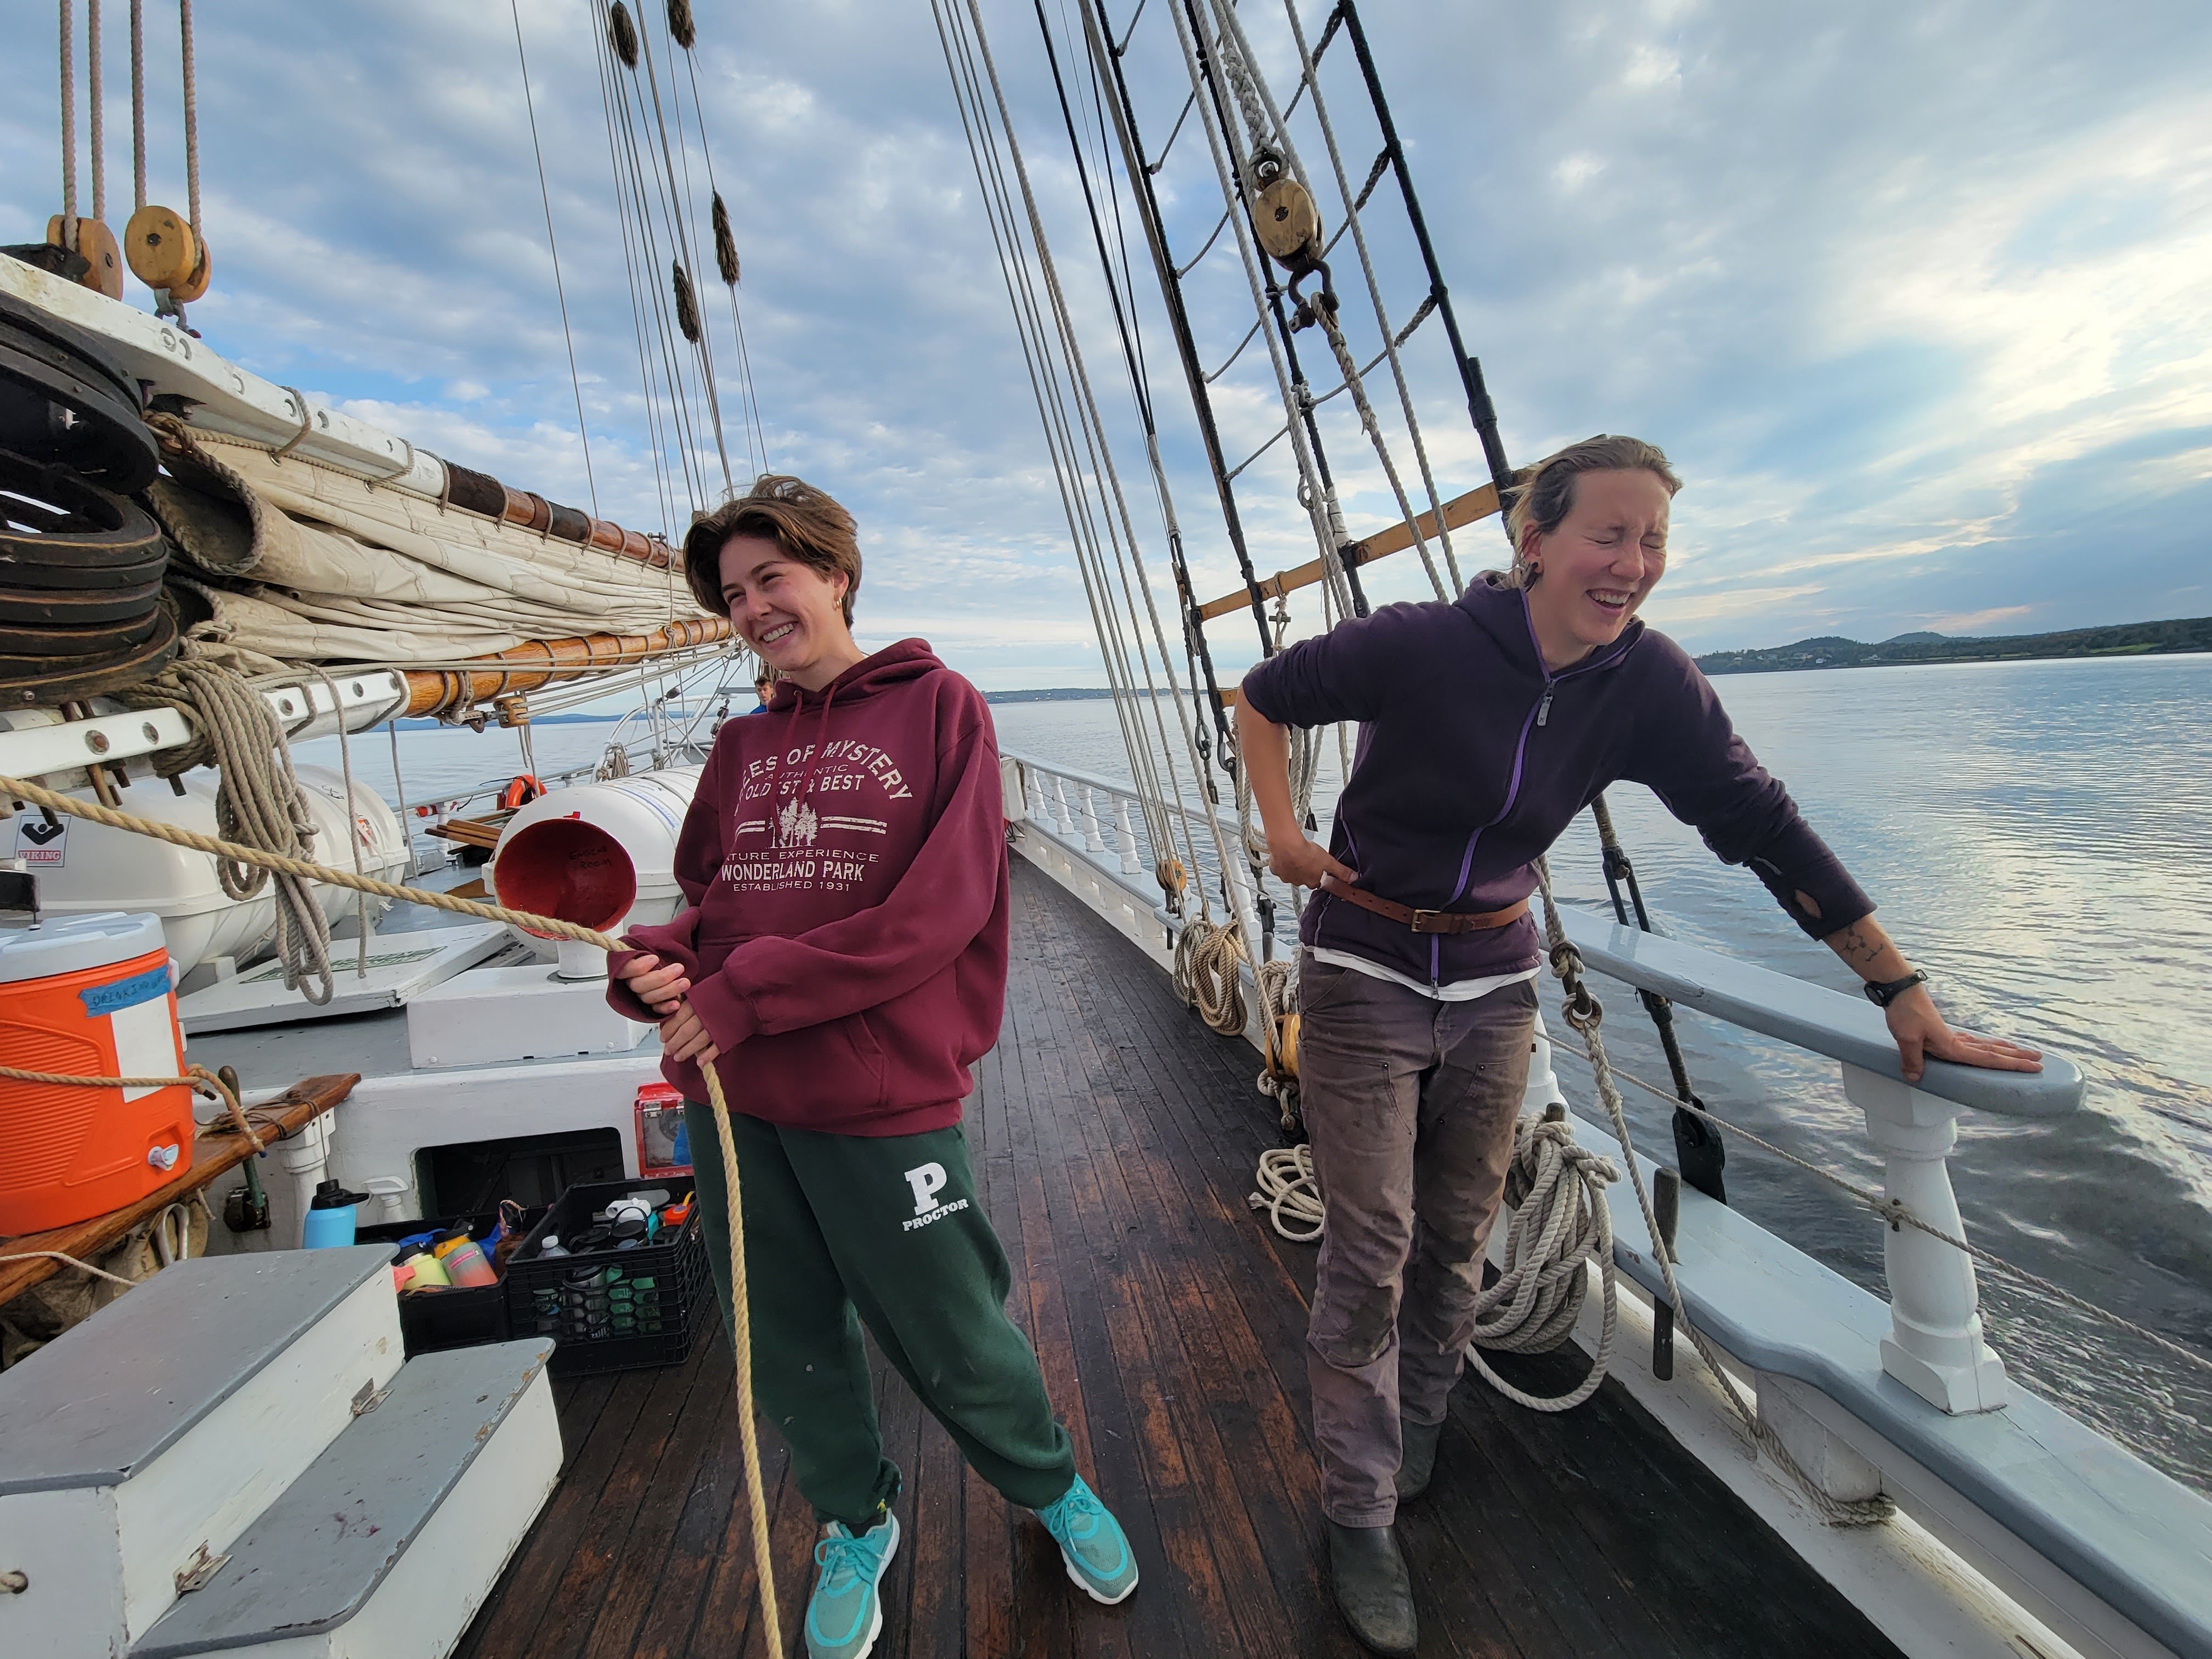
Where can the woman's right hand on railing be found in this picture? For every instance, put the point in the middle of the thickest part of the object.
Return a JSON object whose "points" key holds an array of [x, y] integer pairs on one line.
{"points": [[1298, 860]]}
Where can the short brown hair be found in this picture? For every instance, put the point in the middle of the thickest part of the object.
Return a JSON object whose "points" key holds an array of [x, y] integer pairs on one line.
{"points": [[806, 523], [1547, 492]]}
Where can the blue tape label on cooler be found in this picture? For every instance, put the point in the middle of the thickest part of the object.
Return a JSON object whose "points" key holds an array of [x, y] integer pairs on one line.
{"points": [[126, 993]]}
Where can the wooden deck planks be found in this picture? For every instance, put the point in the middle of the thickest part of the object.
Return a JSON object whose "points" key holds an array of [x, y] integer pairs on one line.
{"points": [[1114, 1139]]}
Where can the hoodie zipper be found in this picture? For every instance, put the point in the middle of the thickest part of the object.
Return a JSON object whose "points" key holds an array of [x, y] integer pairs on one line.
{"points": [[1539, 715]]}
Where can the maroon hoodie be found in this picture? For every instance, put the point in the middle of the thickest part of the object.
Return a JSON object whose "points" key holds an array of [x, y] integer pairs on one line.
{"points": [[845, 861]]}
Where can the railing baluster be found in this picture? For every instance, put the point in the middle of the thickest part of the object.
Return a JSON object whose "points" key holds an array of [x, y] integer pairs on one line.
{"points": [[1130, 865]]}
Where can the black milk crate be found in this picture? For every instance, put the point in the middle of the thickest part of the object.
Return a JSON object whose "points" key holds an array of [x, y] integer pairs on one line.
{"points": [[459, 1317], [610, 1310]]}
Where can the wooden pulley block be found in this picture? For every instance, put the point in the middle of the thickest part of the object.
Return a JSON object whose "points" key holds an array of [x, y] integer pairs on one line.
{"points": [[1173, 879], [1286, 1048], [97, 243], [160, 244], [196, 284], [1288, 222]]}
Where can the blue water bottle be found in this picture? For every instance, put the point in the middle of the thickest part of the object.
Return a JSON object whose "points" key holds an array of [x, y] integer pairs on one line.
{"points": [[331, 1217]]}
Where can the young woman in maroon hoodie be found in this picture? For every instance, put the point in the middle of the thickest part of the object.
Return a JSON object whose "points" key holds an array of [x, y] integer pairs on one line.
{"points": [[1485, 725], [841, 963]]}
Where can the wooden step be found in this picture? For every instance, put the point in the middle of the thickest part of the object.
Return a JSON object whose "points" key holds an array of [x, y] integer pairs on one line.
{"points": [[164, 1423], [391, 1538]]}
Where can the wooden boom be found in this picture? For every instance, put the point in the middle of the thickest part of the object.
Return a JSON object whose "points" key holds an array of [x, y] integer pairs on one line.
{"points": [[1465, 509], [538, 662]]}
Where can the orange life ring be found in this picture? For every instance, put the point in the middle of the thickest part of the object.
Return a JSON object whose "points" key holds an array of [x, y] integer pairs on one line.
{"points": [[520, 791]]}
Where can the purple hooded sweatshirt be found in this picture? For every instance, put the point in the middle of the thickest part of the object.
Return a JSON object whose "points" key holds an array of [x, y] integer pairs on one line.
{"points": [[1472, 759]]}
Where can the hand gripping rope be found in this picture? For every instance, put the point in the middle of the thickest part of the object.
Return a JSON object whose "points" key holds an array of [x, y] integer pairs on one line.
{"points": [[282, 865]]}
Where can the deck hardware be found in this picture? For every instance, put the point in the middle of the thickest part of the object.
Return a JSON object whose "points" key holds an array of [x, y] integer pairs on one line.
{"points": [[13, 1583], [369, 1397], [1667, 1207], [199, 1572]]}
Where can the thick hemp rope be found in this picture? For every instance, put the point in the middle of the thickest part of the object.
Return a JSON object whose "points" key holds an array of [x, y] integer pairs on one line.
{"points": [[198, 1078], [302, 869]]}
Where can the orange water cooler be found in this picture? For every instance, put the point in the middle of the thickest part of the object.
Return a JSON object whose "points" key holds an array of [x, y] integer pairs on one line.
{"points": [[89, 997]]}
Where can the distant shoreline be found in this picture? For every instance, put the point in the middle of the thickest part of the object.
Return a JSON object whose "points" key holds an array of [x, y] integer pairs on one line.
{"points": [[2123, 640]]}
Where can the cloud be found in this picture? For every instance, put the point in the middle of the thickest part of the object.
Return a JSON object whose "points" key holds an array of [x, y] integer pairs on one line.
{"points": [[1913, 298]]}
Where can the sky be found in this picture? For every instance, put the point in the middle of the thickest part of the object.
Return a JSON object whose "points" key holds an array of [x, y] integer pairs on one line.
{"points": [[1915, 296]]}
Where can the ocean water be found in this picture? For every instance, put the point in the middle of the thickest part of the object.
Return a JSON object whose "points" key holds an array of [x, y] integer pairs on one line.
{"points": [[2038, 835]]}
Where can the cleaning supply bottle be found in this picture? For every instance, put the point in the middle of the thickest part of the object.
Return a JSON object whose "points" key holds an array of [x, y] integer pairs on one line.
{"points": [[331, 1217], [466, 1265]]}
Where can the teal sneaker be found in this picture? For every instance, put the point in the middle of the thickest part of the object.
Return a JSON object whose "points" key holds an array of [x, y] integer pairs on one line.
{"points": [[845, 1616], [1091, 1543]]}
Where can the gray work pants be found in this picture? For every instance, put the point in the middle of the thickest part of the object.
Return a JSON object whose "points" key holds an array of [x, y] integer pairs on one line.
{"points": [[1410, 1104]]}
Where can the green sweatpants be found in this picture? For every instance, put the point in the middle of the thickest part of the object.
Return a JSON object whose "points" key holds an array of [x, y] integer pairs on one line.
{"points": [[887, 1228]]}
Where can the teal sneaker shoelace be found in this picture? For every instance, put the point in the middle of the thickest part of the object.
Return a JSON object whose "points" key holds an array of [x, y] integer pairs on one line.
{"points": [[849, 1565]]}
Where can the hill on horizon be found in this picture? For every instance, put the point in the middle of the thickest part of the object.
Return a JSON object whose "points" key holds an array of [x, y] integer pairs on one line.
{"points": [[1835, 651]]}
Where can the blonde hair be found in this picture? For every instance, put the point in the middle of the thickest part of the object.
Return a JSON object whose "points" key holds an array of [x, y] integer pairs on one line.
{"points": [[808, 524], [1546, 494]]}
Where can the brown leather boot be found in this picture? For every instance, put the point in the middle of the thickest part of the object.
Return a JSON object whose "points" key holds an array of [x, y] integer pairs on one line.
{"points": [[1373, 1588]]}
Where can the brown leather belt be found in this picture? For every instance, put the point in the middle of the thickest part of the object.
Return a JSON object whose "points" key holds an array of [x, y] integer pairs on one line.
{"points": [[1424, 921]]}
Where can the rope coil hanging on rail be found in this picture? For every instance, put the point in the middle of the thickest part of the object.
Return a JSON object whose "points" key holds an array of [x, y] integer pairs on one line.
{"points": [[285, 865]]}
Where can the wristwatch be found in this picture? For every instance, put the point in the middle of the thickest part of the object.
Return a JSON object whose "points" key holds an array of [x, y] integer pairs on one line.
{"points": [[1882, 995]]}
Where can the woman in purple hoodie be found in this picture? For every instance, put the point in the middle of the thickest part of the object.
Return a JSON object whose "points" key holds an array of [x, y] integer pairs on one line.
{"points": [[1484, 727]]}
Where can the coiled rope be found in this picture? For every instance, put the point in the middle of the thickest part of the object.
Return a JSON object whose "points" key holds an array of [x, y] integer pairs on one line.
{"points": [[258, 802], [1207, 955], [284, 865], [1561, 1226], [1287, 1189]]}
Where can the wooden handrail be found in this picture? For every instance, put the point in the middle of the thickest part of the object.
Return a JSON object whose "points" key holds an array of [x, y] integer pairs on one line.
{"points": [[1477, 503]]}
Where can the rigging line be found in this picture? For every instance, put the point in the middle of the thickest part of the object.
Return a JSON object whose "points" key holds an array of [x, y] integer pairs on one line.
{"points": [[1254, 98], [92, 91], [698, 271], [1322, 511], [69, 127], [1479, 408], [1152, 800], [607, 88], [1310, 61], [750, 405], [1219, 225], [138, 104], [191, 120], [575, 382], [655, 293], [684, 422], [1092, 427], [1129, 33], [1258, 322], [1154, 166], [1171, 287], [681, 238], [1102, 452]]}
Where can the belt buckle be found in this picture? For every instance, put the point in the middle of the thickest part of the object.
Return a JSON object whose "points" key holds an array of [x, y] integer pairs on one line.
{"points": [[1424, 921]]}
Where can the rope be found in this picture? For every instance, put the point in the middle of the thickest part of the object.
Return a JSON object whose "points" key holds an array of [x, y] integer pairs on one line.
{"points": [[69, 127], [1561, 1227], [138, 104], [1279, 1000], [198, 1078], [57, 1255], [259, 800], [1287, 1190], [1207, 957], [283, 864], [560, 292], [191, 119], [1586, 1014], [92, 109], [353, 828]]}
